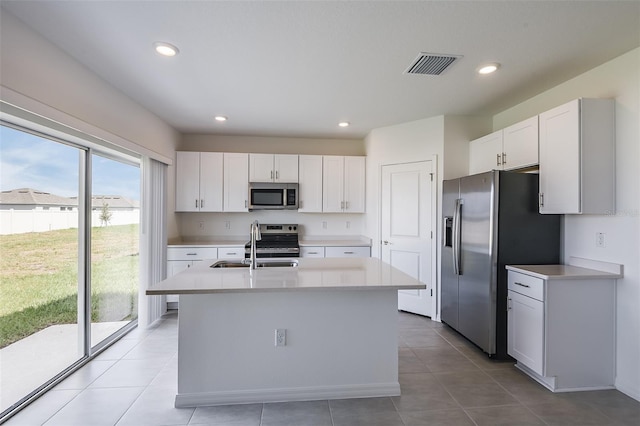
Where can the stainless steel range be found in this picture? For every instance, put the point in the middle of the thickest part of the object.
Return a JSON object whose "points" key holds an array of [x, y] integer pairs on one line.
{"points": [[276, 241]]}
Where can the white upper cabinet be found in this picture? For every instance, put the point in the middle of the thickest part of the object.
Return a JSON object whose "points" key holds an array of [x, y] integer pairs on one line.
{"points": [[310, 184], [199, 181], [343, 184], [577, 158], [236, 182], [485, 153], [273, 168], [512, 148], [520, 144]]}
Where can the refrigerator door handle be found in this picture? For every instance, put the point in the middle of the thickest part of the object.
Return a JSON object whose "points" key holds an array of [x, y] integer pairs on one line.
{"points": [[456, 237]]}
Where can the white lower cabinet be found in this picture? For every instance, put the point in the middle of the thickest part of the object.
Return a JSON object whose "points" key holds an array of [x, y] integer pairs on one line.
{"points": [[525, 339], [347, 251], [311, 251], [236, 252], [183, 257], [561, 326]]}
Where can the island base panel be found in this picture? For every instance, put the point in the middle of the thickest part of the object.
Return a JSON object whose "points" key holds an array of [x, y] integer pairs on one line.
{"points": [[339, 344]]}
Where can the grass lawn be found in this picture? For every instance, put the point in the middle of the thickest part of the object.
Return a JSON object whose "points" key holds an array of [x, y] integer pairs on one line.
{"points": [[39, 279]]}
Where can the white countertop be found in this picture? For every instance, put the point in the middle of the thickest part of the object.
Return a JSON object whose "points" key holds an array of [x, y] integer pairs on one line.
{"points": [[562, 272], [310, 274]]}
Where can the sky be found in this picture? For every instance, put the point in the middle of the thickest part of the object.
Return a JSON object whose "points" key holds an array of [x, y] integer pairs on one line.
{"points": [[29, 161]]}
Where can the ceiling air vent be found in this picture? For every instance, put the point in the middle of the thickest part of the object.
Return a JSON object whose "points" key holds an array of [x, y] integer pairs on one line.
{"points": [[431, 64]]}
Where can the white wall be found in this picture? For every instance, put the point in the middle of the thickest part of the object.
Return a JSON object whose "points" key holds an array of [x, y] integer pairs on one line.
{"points": [[618, 79], [445, 137], [43, 74], [271, 145]]}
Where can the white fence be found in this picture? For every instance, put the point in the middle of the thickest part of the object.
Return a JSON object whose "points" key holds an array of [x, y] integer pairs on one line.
{"points": [[38, 220]]}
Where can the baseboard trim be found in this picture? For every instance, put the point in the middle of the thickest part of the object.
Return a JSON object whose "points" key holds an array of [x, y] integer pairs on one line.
{"points": [[287, 394]]}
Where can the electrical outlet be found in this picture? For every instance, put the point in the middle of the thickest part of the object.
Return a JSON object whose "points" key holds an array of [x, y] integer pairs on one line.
{"points": [[348, 224], [281, 337], [227, 225], [201, 226], [599, 239], [324, 225]]}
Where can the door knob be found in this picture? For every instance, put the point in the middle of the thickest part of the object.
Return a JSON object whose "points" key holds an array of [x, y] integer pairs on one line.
{"points": [[385, 242]]}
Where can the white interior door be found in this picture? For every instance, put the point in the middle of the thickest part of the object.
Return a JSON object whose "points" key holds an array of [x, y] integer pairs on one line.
{"points": [[407, 229]]}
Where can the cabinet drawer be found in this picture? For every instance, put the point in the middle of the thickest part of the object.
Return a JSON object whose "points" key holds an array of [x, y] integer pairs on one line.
{"points": [[347, 252], [311, 251], [527, 285], [191, 253], [231, 252]]}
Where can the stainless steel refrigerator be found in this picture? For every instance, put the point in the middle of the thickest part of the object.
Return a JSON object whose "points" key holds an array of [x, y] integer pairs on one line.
{"points": [[490, 220]]}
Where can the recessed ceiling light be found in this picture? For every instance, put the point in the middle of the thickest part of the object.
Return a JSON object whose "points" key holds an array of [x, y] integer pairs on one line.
{"points": [[165, 49], [344, 124], [220, 118], [488, 68]]}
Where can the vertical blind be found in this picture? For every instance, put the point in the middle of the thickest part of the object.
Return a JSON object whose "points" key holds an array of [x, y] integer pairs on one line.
{"points": [[153, 239]]}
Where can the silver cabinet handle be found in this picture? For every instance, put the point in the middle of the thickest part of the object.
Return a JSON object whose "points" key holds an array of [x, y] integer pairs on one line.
{"points": [[313, 252], [192, 254], [201, 204], [522, 285], [498, 160], [245, 204], [196, 203], [277, 175], [504, 158], [541, 196], [508, 304], [272, 174], [346, 205], [348, 252]]}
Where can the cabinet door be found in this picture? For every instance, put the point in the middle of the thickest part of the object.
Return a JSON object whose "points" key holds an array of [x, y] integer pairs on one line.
{"points": [[310, 187], [354, 184], [525, 334], [286, 168], [236, 182], [211, 181], [560, 159], [261, 168], [332, 184], [187, 181], [175, 266], [520, 143], [485, 153]]}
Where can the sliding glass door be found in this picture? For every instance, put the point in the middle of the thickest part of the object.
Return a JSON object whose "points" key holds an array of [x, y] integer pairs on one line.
{"points": [[40, 320], [69, 256], [115, 237]]}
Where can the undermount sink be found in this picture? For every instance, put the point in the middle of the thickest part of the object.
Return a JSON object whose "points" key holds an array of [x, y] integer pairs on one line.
{"points": [[259, 264]]}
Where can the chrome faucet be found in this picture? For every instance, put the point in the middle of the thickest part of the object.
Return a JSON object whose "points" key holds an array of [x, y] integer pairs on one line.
{"points": [[255, 236]]}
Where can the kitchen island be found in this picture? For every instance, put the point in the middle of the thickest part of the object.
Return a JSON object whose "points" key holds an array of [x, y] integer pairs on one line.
{"points": [[337, 323]]}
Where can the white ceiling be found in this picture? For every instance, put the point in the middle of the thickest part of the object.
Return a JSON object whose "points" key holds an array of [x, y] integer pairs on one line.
{"points": [[296, 68]]}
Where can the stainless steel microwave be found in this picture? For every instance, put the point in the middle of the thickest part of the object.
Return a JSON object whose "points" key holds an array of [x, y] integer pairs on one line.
{"points": [[273, 196]]}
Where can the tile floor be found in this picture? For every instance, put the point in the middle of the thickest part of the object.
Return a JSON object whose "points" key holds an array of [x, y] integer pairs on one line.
{"points": [[444, 380]]}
